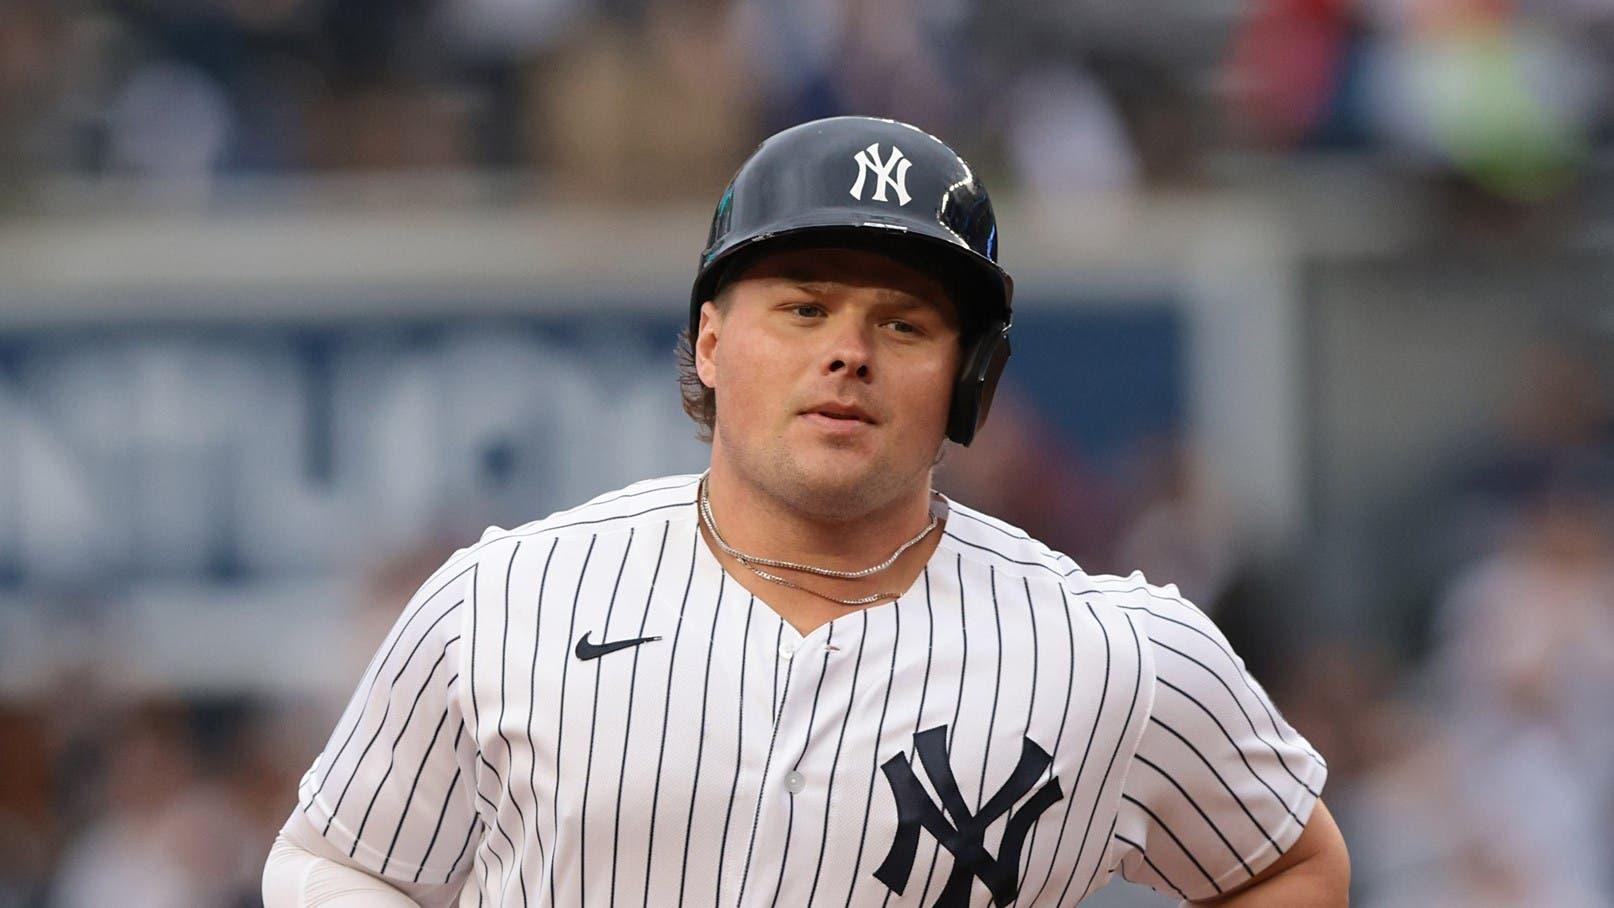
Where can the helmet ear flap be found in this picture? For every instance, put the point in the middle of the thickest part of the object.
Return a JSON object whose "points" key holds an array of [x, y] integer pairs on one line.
{"points": [[977, 381]]}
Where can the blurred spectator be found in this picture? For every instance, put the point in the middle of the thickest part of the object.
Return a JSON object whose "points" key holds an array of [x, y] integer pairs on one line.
{"points": [[31, 44], [1559, 411], [1296, 68], [1528, 663], [1554, 418], [1503, 97], [890, 62], [1185, 533], [1486, 781], [171, 122], [790, 48], [621, 98], [27, 821], [167, 834], [504, 50], [648, 109], [1065, 135], [1493, 787]]}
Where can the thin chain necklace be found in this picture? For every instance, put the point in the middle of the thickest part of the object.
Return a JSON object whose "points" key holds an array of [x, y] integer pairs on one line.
{"points": [[752, 561]]}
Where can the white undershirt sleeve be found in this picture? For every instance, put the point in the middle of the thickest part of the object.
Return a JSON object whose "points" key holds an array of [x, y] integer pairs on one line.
{"points": [[294, 877], [305, 870]]}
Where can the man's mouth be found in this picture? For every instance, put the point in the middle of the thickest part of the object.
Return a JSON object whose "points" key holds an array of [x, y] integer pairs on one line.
{"points": [[842, 412]]}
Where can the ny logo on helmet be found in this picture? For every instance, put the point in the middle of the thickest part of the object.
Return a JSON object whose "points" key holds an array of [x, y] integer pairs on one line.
{"points": [[869, 160]]}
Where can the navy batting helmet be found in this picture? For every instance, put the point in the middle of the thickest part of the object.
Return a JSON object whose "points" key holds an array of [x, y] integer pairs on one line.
{"points": [[886, 186]]}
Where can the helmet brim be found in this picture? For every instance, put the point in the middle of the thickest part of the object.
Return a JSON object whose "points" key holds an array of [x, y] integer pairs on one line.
{"points": [[980, 290]]}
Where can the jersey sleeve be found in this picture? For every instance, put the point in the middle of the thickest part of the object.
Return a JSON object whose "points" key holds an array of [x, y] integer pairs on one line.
{"points": [[394, 787], [1220, 785]]}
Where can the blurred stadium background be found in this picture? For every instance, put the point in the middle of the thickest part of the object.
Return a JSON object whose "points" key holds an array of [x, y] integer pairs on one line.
{"points": [[297, 296]]}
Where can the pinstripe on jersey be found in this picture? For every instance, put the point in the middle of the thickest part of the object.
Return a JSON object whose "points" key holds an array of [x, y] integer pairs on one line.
{"points": [[1054, 726]]}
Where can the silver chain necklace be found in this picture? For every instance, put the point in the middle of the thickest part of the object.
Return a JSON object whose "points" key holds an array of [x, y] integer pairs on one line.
{"points": [[752, 561]]}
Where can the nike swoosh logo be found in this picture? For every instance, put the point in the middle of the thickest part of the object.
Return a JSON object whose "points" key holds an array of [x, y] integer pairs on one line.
{"points": [[587, 650]]}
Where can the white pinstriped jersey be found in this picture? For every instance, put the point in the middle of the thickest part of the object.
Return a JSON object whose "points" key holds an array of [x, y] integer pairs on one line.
{"points": [[1011, 730]]}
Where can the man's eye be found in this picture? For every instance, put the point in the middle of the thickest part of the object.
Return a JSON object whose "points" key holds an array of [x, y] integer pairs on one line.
{"points": [[806, 310], [903, 327]]}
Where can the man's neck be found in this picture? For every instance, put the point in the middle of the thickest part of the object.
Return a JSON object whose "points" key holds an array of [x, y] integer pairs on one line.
{"points": [[765, 526]]}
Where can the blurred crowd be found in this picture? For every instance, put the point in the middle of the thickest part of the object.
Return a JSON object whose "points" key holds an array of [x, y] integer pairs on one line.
{"points": [[1468, 741], [1480, 774], [1468, 755], [645, 99], [168, 798]]}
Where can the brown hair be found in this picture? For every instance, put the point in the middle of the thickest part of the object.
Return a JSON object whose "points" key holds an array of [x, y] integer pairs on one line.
{"points": [[700, 402]]}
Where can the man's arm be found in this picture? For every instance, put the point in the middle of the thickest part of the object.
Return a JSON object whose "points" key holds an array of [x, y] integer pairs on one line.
{"points": [[1221, 790], [305, 871], [1314, 873], [398, 766], [295, 877]]}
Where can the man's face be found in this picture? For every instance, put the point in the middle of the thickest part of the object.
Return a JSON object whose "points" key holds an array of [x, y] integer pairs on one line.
{"points": [[834, 371]]}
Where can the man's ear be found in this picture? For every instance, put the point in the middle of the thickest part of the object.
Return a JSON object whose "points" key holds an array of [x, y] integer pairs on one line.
{"points": [[706, 343]]}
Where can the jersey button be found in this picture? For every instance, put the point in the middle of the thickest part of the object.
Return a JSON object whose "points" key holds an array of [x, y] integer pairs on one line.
{"points": [[795, 782], [787, 648]]}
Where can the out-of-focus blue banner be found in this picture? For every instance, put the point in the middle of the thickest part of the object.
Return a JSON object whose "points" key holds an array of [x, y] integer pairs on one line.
{"points": [[217, 453]]}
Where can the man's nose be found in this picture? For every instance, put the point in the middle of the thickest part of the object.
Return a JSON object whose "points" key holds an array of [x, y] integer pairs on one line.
{"points": [[849, 351]]}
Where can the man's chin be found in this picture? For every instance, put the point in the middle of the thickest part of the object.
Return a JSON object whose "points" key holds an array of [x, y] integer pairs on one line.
{"points": [[811, 433], [831, 481], [837, 462], [834, 484]]}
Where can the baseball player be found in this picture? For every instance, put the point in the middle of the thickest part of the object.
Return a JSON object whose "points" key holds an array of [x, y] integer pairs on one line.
{"points": [[802, 677]]}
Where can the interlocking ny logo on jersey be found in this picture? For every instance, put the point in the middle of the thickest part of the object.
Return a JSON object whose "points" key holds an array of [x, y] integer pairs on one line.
{"points": [[915, 809], [868, 160]]}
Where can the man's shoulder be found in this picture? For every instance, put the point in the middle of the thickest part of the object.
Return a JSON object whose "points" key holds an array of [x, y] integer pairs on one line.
{"points": [[651, 500], [647, 499], [981, 537], [1164, 619]]}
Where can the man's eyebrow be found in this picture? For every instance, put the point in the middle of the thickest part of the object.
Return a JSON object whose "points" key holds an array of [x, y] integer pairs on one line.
{"points": [[810, 284], [901, 299]]}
